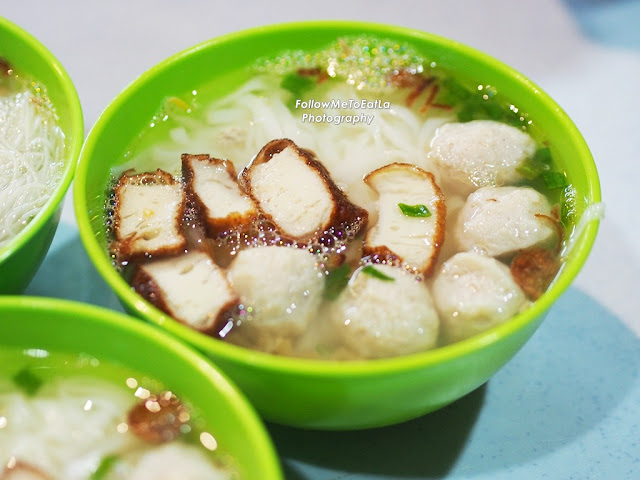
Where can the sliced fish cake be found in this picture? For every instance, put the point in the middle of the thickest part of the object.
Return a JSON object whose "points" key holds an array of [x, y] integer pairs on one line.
{"points": [[212, 186], [148, 213], [411, 217], [189, 287], [294, 190]]}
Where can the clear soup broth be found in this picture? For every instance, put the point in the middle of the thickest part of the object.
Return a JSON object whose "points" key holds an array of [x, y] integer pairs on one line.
{"points": [[422, 268]]}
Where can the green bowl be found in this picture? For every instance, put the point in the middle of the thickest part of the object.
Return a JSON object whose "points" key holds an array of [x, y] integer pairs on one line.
{"points": [[70, 327], [21, 257], [319, 394]]}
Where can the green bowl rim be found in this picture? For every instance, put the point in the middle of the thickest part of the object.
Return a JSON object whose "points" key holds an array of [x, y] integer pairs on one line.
{"points": [[77, 138], [325, 368], [197, 362]]}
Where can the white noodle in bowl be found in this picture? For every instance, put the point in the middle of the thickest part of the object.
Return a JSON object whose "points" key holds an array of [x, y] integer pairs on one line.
{"points": [[31, 160], [41, 133]]}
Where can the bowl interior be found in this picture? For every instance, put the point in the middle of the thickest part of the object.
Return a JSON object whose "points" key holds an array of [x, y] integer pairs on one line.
{"points": [[221, 62], [31, 58], [62, 326]]}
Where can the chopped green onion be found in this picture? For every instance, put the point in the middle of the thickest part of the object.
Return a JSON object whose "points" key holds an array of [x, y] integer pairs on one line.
{"points": [[27, 381], [543, 156], [414, 210], [336, 281], [477, 107], [298, 85], [493, 110], [515, 119], [106, 464], [538, 163], [375, 273], [466, 114], [452, 93], [553, 179], [529, 169]]}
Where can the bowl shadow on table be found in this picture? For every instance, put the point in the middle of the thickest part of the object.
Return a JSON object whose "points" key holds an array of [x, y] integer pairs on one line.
{"points": [[68, 273], [427, 446], [566, 381]]}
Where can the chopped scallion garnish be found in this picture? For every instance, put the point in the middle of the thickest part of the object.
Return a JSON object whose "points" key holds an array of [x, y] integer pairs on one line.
{"points": [[452, 93], [466, 114], [538, 163], [529, 170], [543, 156], [336, 281], [106, 464], [298, 85], [27, 381], [554, 180], [375, 273], [493, 110], [477, 107], [414, 210]]}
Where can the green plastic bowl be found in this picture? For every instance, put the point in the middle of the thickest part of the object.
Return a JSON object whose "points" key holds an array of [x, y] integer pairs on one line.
{"points": [[318, 394], [70, 327], [22, 256]]}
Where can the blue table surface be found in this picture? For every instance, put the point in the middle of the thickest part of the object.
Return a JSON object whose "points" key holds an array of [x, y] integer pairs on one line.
{"points": [[566, 407]]}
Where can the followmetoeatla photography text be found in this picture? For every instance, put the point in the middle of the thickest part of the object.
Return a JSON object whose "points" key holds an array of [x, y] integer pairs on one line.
{"points": [[351, 105]]}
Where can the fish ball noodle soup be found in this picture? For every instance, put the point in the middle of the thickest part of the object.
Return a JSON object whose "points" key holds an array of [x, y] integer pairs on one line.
{"points": [[65, 416], [319, 203]]}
